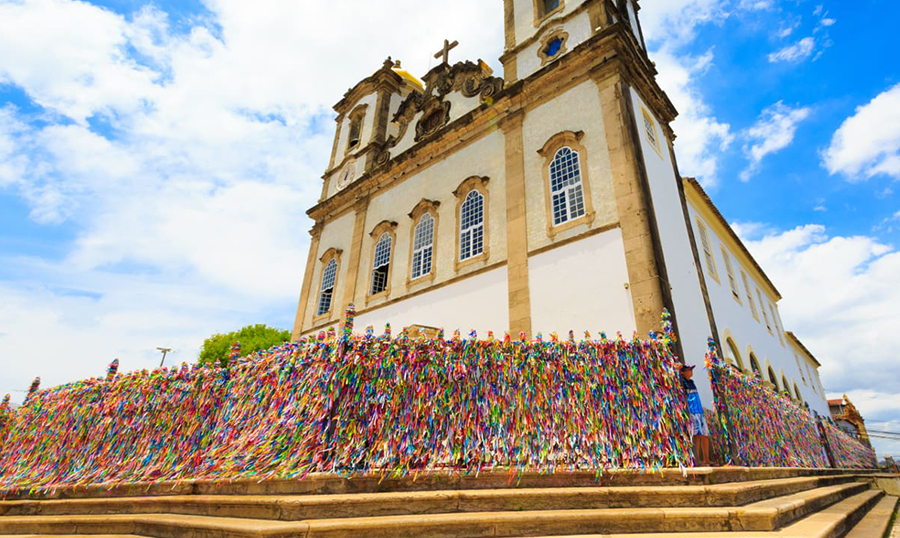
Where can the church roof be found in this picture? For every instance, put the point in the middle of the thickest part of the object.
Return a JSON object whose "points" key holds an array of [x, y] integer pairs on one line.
{"points": [[734, 236], [793, 338], [408, 76]]}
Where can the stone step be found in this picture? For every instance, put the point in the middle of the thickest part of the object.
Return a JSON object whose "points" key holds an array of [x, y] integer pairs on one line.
{"points": [[324, 484], [761, 516], [830, 522], [875, 524], [300, 507]]}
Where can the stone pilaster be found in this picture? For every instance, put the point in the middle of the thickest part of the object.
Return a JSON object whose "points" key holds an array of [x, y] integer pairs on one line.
{"points": [[516, 228], [316, 234]]}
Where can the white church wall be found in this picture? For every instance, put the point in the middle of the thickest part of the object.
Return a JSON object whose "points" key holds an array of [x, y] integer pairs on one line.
{"points": [[525, 17], [737, 319], [687, 296], [337, 234], [393, 129], [578, 109], [460, 105], [479, 302], [437, 182], [579, 29], [581, 286]]}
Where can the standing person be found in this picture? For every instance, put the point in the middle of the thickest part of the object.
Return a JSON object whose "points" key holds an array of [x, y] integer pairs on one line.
{"points": [[699, 428]]}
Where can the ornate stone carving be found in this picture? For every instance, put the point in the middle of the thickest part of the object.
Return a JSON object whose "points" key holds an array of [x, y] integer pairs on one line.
{"points": [[468, 78]]}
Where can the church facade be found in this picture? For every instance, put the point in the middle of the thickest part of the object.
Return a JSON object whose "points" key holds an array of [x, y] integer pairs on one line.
{"points": [[547, 200]]}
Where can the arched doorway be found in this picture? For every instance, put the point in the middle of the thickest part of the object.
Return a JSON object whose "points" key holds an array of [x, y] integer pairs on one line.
{"points": [[754, 364], [773, 379], [736, 355]]}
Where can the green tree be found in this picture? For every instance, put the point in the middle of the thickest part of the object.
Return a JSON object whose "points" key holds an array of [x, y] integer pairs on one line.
{"points": [[253, 338]]}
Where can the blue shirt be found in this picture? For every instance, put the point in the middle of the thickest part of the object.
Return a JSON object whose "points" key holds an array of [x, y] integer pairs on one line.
{"points": [[695, 406]]}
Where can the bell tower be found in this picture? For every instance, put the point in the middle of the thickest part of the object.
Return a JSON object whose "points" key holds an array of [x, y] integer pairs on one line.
{"points": [[538, 32]]}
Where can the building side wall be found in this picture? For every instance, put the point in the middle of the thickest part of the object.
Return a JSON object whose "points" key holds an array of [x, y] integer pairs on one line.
{"points": [[484, 158], [736, 321], [582, 286], [687, 295]]}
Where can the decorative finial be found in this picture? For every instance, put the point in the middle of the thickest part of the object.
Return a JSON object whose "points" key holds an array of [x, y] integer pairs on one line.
{"points": [[389, 63]]}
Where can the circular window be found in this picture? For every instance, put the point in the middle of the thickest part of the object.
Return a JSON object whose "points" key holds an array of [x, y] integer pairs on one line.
{"points": [[553, 47]]}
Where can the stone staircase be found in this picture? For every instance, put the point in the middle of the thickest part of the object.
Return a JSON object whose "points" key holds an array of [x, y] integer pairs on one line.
{"points": [[726, 502]]}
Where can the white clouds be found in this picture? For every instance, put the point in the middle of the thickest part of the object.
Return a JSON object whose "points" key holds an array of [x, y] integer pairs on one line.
{"points": [[185, 161], [868, 143], [701, 136], [797, 52], [841, 299], [772, 132]]}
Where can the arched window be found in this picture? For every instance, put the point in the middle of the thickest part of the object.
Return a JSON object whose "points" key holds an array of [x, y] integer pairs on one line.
{"points": [[784, 385], [735, 354], [754, 364], [471, 226], [545, 8], [797, 392], [567, 195], [423, 247], [381, 265], [773, 378], [326, 291]]}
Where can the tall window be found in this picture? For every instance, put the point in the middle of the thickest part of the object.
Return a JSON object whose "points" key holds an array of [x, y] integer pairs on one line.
{"points": [[650, 130], [326, 293], [776, 319], [382, 264], [729, 270], [423, 247], [471, 226], [749, 293], [565, 186], [762, 306], [707, 250]]}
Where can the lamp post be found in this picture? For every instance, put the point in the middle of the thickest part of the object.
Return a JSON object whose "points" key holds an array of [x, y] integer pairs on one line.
{"points": [[164, 350]]}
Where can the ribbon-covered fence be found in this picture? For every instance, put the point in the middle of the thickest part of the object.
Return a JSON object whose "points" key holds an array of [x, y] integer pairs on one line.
{"points": [[847, 452], [762, 428], [362, 404]]}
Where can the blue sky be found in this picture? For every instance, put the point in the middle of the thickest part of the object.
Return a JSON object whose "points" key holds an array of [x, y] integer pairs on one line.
{"points": [[157, 159]]}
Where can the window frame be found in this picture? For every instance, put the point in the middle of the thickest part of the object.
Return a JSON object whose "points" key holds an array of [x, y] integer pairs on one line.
{"points": [[389, 228], [748, 290], [765, 314], [572, 140], [332, 254], [540, 16], [557, 33], [479, 184], [423, 208], [654, 141], [709, 255], [357, 116], [729, 272]]}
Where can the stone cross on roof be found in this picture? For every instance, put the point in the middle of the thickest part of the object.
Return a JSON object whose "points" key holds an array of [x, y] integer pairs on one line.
{"points": [[445, 52]]}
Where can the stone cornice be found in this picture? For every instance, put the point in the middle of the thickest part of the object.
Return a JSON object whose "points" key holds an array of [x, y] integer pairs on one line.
{"points": [[612, 51], [385, 79]]}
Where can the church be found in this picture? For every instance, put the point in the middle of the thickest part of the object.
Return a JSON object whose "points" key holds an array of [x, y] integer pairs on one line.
{"points": [[542, 201]]}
